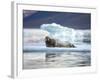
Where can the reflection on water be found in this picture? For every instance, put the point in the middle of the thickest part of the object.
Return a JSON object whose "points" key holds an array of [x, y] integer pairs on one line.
{"points": [[56, 60]]}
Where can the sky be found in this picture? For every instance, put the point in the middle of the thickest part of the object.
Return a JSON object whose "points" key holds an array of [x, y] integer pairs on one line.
{"points": [[34, 19]]}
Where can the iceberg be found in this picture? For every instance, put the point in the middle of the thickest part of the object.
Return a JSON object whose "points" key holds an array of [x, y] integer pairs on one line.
{"points": [[34, 39], [66, 34], [82, 36], [59, 32]]}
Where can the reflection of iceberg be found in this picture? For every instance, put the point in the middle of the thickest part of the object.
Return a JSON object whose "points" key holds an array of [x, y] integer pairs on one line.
{"points": [[67, 34]]}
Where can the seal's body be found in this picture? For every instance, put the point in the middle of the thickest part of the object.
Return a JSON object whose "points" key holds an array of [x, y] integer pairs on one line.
{"points": [[50, 42]]}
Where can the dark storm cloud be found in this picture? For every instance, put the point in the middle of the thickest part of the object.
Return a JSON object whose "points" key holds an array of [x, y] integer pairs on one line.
{"points": [[33, 19]]}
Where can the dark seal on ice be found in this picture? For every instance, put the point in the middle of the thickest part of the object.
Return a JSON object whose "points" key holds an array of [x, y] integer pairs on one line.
{"points": [[51, 42]]}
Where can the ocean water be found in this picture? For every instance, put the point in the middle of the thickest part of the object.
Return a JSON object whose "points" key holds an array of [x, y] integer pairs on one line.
{"points": [[57, 59]]}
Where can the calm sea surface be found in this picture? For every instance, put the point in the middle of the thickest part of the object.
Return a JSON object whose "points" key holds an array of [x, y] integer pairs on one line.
{"points": [[56, 60]]}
